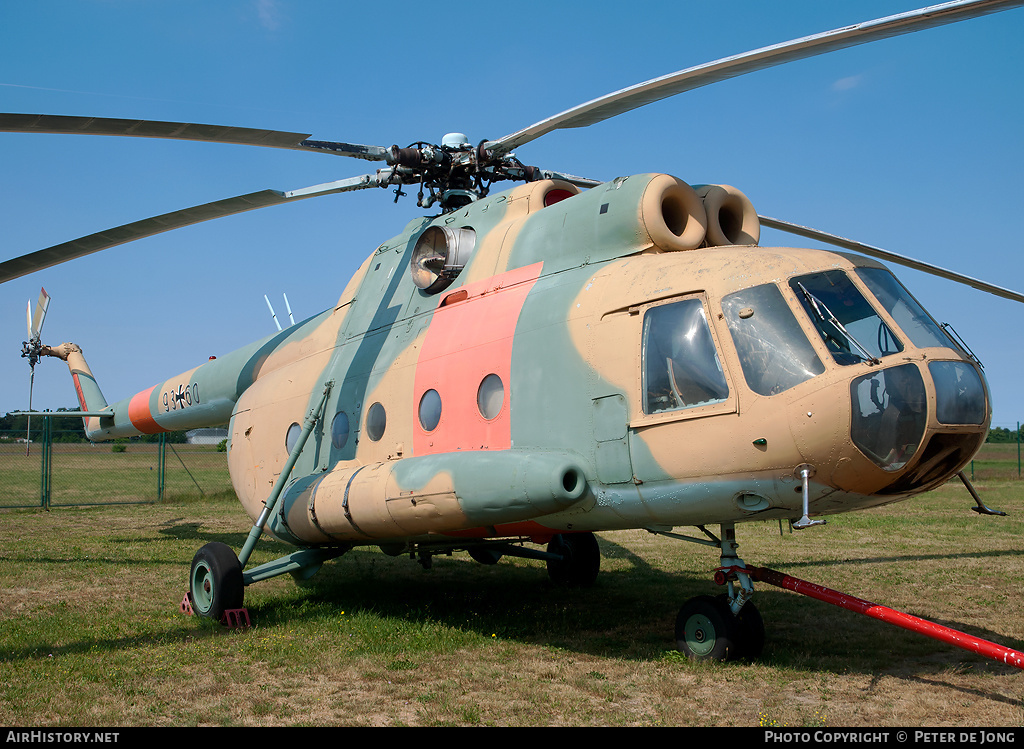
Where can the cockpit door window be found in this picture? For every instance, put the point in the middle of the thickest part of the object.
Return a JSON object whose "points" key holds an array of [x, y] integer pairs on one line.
{"points": [[681, 366]]}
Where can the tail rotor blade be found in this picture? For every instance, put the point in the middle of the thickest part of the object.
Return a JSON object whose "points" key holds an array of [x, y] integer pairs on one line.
{"points": [[36, 325], [32, 350]]}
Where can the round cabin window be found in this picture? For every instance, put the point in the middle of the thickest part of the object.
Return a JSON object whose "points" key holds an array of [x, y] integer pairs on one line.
{"points": [[490, 396], [339, 430], [376, 421], [292, 437], [430, 410]]}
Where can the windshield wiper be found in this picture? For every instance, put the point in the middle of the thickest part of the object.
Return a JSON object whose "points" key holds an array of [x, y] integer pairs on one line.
{"points": [[828, 317]]}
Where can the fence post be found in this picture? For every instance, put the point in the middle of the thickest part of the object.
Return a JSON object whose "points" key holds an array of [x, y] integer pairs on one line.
{"points": [[47, 461], [1018, 449], [161, 466], [42, 460]]}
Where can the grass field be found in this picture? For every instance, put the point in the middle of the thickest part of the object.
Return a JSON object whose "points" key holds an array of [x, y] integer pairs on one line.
{"points": [[91, 634], [997, 461], [84, 473]]}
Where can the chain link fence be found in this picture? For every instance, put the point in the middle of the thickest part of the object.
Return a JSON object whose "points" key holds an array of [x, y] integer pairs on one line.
{"points": [[1001, 457], [47, 465]]}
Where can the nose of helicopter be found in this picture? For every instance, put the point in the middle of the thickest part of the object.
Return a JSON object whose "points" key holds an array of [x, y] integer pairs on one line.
{"points": [[907, 428]]}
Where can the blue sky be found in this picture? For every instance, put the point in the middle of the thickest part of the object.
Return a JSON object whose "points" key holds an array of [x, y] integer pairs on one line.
{"points": [[912, 144]]}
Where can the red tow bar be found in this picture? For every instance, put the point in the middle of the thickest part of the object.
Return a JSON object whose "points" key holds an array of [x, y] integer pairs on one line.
{"points": [[885, 614]]}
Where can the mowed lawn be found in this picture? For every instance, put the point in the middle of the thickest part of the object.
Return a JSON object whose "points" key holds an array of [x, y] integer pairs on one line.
{"points": [[91, 632], [84, 473]]}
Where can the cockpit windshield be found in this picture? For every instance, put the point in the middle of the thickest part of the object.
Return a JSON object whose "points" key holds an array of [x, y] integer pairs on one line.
{"points": [[851, 329], [904, 309]]}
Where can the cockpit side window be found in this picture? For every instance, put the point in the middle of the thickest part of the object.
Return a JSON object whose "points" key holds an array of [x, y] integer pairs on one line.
{"points": [[849, 326], [773, 350], [681, 368]]}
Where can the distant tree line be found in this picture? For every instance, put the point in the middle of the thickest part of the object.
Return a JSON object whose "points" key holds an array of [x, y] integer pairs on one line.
{"points": [[67, 429], [1001, 434]]}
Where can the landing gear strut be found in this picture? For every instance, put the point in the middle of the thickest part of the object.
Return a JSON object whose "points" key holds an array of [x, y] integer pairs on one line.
{"points": [[725, 627], [729, 627]]}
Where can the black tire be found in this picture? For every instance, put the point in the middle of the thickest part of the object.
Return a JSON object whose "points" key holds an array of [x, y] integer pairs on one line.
{"points": [[706, 630], [751, 630], [483, 555], [580, 562], [215, 581]]}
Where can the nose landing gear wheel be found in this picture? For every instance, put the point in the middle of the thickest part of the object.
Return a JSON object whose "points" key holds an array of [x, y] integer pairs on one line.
{"points": [[706, 630], [215, 581]]}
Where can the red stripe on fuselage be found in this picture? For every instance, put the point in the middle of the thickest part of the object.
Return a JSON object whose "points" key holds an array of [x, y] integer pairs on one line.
{"points": [[468, 340], [139, 413]]}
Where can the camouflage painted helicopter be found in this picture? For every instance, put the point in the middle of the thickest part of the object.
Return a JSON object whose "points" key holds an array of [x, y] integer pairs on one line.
{"points": [[564, 357]]}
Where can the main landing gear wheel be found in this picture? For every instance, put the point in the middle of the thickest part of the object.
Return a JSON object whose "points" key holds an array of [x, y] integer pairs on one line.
{"points": [[581, 559], [215, 582], [484, 556]]}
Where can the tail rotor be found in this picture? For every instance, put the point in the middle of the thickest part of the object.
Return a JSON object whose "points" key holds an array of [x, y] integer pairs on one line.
{"points": [[31, 350]]}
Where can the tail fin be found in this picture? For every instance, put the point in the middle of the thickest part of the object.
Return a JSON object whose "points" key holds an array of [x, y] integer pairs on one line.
{"points": [[90, 398]]}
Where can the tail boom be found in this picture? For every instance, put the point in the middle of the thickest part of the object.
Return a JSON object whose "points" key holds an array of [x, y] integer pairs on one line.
{"points": [[201, 397]]}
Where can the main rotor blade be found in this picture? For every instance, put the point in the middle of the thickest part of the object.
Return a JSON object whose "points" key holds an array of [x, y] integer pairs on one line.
{"points": [[892, 257], [61, 124], [60, 253], [570, 178], [657, 89]]}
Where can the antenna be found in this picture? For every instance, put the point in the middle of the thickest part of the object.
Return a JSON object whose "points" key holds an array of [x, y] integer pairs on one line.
{"points": [[291, 318], [272, 313]]}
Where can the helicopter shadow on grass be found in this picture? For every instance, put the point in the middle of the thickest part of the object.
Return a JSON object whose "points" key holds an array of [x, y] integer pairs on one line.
{"points": [[627, 614], [193, 531]]}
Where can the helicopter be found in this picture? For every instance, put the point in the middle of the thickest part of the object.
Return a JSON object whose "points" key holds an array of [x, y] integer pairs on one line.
{"points": [[526, 367]]}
